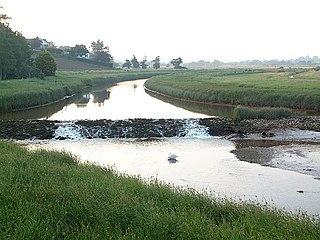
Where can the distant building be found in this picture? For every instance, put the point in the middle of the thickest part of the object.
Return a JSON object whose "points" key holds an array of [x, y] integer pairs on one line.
{"points": [[38, 43], [85, 56]]}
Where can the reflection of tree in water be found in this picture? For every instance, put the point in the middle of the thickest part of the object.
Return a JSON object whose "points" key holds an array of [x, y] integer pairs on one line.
{"points": [[100, 97], [83, 101]]}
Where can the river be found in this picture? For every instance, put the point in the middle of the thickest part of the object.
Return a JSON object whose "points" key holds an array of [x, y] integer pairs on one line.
{"points": [[204, 162]]}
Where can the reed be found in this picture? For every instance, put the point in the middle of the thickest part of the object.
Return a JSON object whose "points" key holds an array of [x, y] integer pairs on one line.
{"points": [[240, 113], [270, 89], [50, 195]]}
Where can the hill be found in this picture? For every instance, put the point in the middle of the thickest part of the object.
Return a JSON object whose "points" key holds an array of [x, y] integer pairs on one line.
{"points": [[66, 63]]}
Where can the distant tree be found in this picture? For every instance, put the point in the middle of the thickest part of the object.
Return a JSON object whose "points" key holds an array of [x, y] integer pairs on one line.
{"points": [[127, 64], [156, 62], [176, 62], [45, 62], [143, 63], [100, 52], [78, 50], [135, 63]]}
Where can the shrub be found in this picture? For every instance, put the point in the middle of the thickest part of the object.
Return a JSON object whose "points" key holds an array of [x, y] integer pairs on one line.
{"points": [[45, 62]]}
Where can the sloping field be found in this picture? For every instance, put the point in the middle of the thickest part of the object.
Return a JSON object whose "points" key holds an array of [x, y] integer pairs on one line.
{"points": [[69, 64]]}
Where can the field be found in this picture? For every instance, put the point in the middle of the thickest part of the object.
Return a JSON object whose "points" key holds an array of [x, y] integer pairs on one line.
{"points": [[26, 93], [296, 89], [49, 195]]}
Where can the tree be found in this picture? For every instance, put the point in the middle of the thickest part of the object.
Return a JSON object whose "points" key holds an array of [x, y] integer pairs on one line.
{"points": [[78, 50], [156, 62], [127, 64], [143, 63], [100, 52], [135, 63], [14, 52], [45, 62], [176, 62]]}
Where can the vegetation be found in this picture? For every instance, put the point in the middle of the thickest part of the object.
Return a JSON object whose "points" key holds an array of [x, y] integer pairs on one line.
{"points": [[14, 52], [24, 93], [101, 52], [78, 50], [294, 89], [50, 195], [156, 62], [176, 62], [45, 63], [240, 113]]}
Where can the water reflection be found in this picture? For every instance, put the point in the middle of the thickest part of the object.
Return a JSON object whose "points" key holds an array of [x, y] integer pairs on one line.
{"points": [[128, 100], [208, 109]]}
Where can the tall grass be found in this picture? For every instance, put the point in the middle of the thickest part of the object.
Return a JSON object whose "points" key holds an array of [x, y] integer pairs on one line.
{"points": [[241, 88], [25, 93], [240, 113], [49, 195]]}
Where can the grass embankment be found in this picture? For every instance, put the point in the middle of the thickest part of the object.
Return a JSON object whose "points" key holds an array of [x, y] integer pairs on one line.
{"points": [[48, 195], [25, 93], [272, 89]]}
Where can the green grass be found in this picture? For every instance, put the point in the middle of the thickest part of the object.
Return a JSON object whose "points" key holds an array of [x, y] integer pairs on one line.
{"points": [[240, 113], [49, 195], [25, 93], [238, 87]]}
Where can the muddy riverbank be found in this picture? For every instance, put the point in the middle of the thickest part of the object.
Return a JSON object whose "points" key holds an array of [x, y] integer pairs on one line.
{"points": [[149, 128]]}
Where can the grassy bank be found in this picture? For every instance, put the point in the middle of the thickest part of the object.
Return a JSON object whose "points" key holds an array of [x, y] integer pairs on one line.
{"points": [[25, 93], [273, 89], [49, 195]]}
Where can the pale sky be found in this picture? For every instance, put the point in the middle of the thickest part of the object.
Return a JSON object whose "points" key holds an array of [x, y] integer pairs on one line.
{"points": [[225, 30]]}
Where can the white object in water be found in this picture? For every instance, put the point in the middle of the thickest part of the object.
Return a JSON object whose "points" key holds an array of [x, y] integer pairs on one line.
{"points": [[172, 156]]}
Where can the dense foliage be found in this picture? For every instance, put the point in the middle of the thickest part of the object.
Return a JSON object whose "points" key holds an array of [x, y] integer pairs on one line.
{"points": [[14, 54], [45, 62]]}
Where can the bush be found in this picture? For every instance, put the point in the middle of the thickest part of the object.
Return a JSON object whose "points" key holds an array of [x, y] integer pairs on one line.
{"points": [[45, 62]]}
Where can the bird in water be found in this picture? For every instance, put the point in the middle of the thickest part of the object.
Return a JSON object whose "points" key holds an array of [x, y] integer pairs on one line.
{"points": [[172, 158]]}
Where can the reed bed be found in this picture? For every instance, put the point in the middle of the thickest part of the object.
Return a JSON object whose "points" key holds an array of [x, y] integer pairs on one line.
{"points": [[272, 89], [240, 113], [50, 195]]}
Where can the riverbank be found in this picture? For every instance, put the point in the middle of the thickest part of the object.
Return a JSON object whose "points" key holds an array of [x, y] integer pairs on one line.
{"points": [[151, 128], [293, 89], [22, 94], [50, 195]]}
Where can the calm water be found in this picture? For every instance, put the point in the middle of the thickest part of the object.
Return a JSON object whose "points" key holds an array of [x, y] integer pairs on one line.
{"points": [[204, 162], [123, 101]]}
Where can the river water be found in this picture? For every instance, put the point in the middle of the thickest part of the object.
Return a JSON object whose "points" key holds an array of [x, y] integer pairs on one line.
{"points": [[205, 163]]}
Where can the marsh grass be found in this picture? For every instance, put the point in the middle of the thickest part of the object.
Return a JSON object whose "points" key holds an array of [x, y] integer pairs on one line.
{"points": [[236, 87], [240, 113], [25, 93], [50, 195]]}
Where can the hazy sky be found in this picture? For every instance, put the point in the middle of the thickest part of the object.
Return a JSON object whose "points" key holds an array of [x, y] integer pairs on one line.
{"points": [[191, 29]]}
